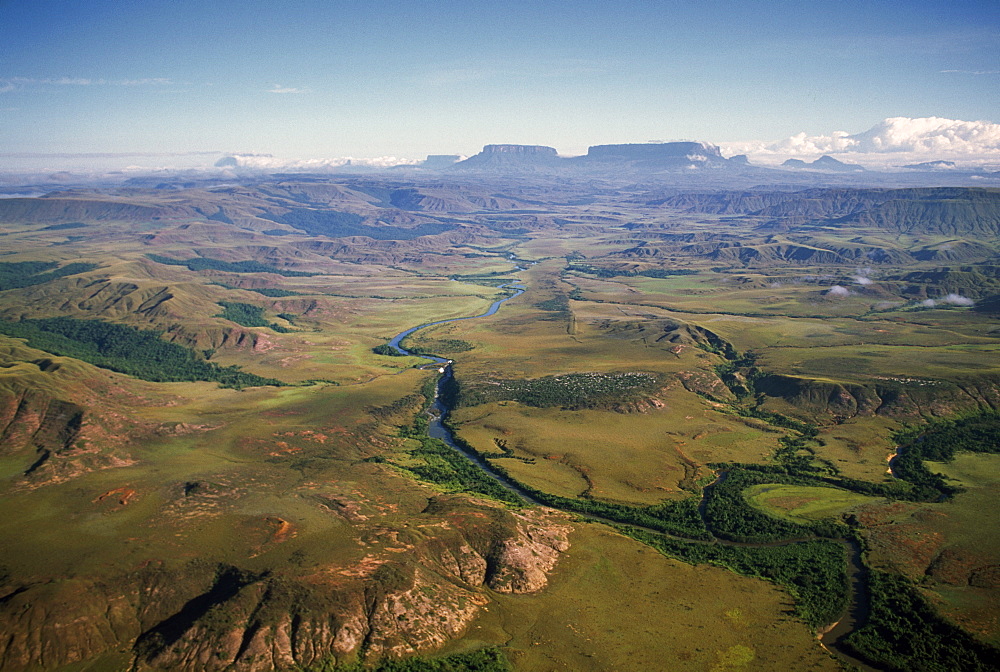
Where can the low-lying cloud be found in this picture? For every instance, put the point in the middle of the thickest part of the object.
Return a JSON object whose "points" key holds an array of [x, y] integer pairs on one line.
{"points": [[950, 299], [267, 162], [896, 138]]}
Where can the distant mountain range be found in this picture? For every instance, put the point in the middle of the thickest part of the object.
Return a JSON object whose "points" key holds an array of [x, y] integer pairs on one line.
{"points": [[684, 164], [932, 165], [824, 163], [680, 165]]}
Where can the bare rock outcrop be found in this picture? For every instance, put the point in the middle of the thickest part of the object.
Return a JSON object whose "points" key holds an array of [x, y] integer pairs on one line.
{"points": [[412, 592], [522, 562]]}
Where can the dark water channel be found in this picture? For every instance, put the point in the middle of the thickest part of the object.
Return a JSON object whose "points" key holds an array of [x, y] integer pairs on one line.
{"points": [[832, 638]]}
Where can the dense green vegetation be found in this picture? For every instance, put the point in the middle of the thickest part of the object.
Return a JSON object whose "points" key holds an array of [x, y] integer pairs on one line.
{"points": [[484, 660], [909, 466], [209, 264], [443, 466], [572, 390], [557, 304], [675, 517], [904, 634], [136, 352], [485, 279], [64, 226], [387, 350], [938, 442], [730, 516], [340, 224], [437, 346], [248, 315], [271, 292], [811, 571], [941, 439], [20, 274], [628, 273]]}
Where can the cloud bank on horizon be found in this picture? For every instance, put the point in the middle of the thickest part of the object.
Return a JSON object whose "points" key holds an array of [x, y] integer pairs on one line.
{"points": [[892, 140], [266, 162]]}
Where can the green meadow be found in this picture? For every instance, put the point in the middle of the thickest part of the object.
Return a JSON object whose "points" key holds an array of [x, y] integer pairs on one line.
{"points": [[632, 384]]}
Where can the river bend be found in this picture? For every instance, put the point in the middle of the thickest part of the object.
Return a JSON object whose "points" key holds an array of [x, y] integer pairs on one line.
{"points": [[832, 636]]}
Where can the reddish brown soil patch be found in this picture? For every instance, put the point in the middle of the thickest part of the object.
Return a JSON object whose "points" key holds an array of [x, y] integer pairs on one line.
{"points": [[124, 495], [955, 566], [283, 532], [986, 577]]}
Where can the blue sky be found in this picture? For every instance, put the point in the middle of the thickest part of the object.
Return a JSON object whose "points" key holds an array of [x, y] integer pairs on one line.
{"points": [[329, 78]]}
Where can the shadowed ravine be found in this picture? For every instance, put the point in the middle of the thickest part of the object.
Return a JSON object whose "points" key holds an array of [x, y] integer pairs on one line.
{"points": [[832, 636]]}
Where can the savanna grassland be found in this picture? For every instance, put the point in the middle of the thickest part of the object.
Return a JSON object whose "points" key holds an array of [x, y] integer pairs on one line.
{"points": [[211, 461]]}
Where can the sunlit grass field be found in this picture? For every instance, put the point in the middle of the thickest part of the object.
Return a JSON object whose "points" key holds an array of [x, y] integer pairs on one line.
{"points": [[613, 604], [241, 477], [803, 504]]}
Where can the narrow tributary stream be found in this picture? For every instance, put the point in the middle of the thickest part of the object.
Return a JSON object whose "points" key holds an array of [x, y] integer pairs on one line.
{"points": [[832, 637]]}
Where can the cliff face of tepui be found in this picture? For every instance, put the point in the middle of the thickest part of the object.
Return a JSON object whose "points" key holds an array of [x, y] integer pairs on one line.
{"points": [[408, 593]]}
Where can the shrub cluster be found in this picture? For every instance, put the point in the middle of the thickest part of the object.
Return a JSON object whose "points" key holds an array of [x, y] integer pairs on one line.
{"points": [[248, 315], [209, 264], [573, 390], [136, 352], [20, 274]]}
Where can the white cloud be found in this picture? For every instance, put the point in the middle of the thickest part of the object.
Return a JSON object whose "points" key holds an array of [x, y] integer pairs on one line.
{"points": [[278, 88], [950, 299], [145, 81], [13, 83], [862, 276], [71, 81], [958, 300], [266, 162], [892, 140], [971, 72], [931, 135], [838, 291]]}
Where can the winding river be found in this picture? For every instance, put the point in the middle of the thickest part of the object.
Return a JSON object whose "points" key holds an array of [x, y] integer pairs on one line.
{"points": [[831, 637]]}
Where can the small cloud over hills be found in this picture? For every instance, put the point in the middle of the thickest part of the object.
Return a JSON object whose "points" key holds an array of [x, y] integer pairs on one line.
{"points": [[950, 299]]}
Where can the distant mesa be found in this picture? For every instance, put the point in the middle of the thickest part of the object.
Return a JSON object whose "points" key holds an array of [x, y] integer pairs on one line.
{"points": [[669, 152], [511, 157], [441, 161], [825, 163], [520, 150], [661, 156]]}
